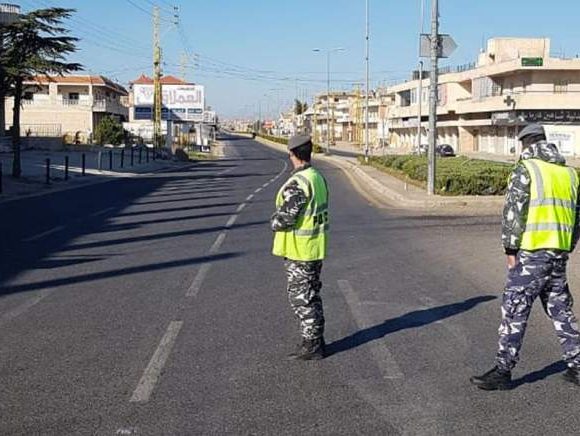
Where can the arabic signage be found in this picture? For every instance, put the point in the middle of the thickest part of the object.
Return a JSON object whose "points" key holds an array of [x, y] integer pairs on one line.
{"points": [[180, 102], [535, 116], [561, 116]]}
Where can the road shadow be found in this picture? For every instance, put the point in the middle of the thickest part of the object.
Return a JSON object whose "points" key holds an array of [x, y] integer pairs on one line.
{"points": [[539, 375], [415, 319]]}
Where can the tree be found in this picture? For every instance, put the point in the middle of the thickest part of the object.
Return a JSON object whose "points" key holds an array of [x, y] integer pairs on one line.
{"points": [[109, 131], [300, 107], [36, 44]]}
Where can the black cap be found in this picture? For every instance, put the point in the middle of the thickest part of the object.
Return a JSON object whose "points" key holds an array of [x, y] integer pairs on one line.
{"points": [[532, 130], [298, 141]]}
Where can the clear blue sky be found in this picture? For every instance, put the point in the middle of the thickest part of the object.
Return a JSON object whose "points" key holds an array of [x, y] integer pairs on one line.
{"points": [[261, 50]]}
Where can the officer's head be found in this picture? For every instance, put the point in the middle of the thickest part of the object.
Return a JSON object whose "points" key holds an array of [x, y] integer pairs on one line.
{"points": [[300, 149], [531, 134]]}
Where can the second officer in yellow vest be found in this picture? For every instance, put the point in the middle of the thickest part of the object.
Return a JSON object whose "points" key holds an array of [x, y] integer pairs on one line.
{"points": [[301, 224], [540, 227]]}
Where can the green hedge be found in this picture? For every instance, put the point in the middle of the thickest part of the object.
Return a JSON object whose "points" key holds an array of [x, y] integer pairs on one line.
{"points": [[281, 140], [455, 176]]}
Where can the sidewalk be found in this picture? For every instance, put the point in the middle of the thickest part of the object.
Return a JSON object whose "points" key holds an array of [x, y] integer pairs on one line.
{"points": [[33, 179], [397, 193]]}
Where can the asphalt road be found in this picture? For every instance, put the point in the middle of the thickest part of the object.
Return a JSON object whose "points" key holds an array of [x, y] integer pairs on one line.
{"points": [[151, 306]]}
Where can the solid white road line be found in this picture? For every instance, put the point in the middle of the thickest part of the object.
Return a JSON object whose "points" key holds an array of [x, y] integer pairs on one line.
{"points": [[153, 371], [382, 354], [198, 280], [101, 212], [43, 234], [19, 310]]}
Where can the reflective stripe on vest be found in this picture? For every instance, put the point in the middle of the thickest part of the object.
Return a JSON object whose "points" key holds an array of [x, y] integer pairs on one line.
{"points": [[552, 207], [308, 240]]}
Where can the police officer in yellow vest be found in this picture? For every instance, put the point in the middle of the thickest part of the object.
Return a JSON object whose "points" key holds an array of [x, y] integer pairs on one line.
{"points": [[540, 227], [301, 223]]}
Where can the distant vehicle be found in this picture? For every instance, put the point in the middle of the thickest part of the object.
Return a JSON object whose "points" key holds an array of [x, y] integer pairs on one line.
{"points": [[420, 150], [444, 150]]}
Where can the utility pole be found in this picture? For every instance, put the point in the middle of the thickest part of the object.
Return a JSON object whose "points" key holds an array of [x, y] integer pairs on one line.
{"points": [[433, 96], [420, 88], [367, 86], [157, 93], [183, 66]]}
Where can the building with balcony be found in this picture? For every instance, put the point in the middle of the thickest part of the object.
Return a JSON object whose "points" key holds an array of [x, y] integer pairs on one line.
{"points": [[68, 106], [348, 117], [483, 106]]}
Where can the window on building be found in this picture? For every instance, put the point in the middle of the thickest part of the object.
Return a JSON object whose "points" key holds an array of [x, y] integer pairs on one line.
{"points": [[405, 98], [496, 88], [28, 95], [561, 86], [73, 95]]}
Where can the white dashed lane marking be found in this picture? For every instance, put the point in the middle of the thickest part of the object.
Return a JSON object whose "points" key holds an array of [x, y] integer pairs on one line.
{"points": [[151, 374]]}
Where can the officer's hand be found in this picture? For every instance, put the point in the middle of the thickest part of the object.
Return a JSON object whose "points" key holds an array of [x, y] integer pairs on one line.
{"points": [[511, 261]]}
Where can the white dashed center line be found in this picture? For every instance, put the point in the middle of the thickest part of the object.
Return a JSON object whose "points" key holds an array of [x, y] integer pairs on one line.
{"points": [[153, 371]]}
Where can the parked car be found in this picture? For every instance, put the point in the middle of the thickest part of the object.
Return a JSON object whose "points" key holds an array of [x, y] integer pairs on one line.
{"points": [[421, 149], [444, 150]]}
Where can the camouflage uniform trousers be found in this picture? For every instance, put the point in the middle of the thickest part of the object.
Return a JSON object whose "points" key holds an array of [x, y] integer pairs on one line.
{"points": [[304, 295], [537, 274]]}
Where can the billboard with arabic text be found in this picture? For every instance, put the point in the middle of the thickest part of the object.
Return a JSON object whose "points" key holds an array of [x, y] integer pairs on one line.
{"points": [[180, 102]]}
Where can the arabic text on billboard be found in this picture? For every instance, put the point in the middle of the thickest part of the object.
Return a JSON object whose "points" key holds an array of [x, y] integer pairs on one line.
{"points": [[180, 102]]}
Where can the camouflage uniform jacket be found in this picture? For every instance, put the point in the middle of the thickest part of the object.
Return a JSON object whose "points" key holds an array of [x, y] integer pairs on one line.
{"points": [[295, 199], [515, 212]]}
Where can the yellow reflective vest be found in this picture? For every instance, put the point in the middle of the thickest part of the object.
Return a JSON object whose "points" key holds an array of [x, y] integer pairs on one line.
{"points": [[308, 240], [552, 208]]}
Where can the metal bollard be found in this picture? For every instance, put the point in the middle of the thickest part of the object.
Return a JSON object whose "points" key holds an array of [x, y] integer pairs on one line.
{"points": [[83, 164], [140, 154], [132, 153], [111, 160], [66, 167], [100, 161], [1, 177], [147, 155], [122, 158], [47, 171]]}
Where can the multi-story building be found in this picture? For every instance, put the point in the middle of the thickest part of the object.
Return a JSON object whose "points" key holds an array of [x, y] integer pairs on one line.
{"points": [[348, 117], [482, 106], [68, 106]]}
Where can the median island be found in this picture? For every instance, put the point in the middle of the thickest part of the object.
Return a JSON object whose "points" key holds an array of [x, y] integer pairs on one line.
{"points": [[455, 176]]}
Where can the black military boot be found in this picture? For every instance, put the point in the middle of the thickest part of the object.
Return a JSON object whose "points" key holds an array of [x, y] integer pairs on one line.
{"points": [[493, 380], [310, 350], [572, 375]]}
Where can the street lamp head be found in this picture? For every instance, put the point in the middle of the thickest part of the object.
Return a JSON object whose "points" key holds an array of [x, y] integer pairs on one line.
{"points": [[339, 49], [317, 50]]}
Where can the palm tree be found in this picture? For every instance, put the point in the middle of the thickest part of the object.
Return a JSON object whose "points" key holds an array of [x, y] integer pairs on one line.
{"points": [[36, 44]]}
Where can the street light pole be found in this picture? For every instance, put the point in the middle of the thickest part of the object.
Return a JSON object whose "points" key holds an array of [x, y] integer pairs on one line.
{"points": [[433, 96], [328, 101], [367, 86], [328, 51]]}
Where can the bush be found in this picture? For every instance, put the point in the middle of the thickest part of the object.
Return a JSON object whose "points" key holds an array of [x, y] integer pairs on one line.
{"points": [[109, 131], [455, 176]]}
